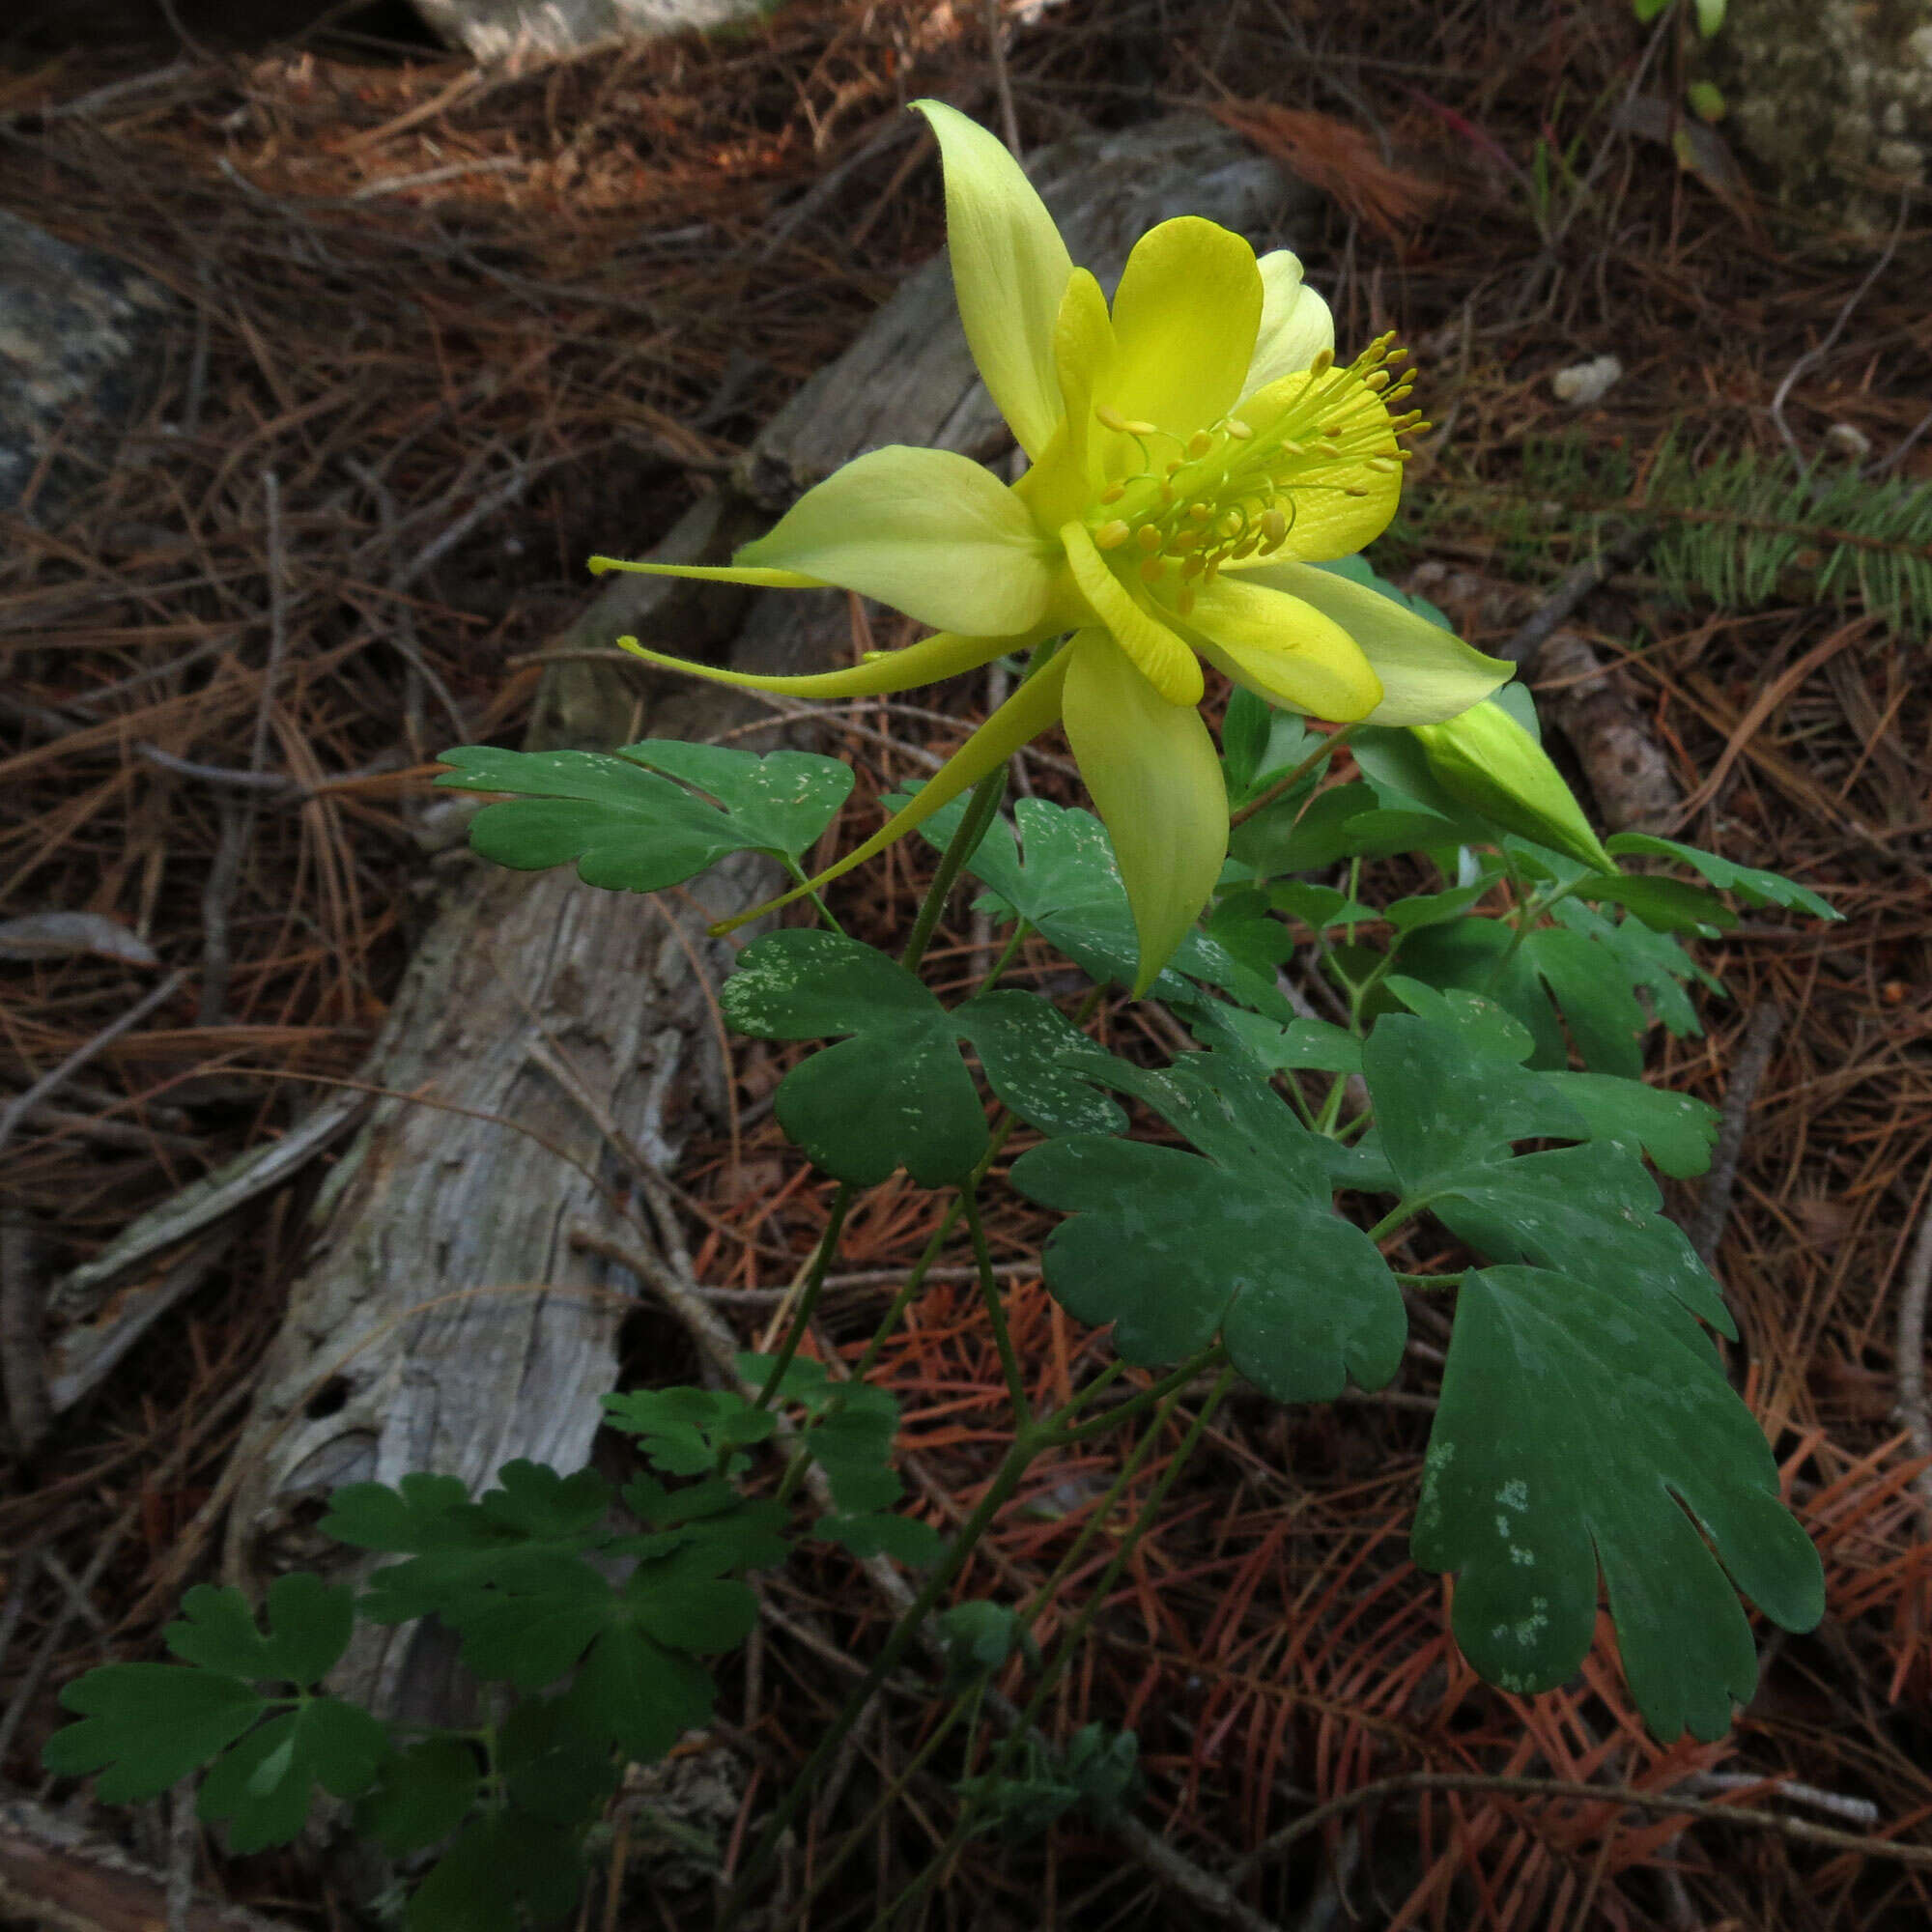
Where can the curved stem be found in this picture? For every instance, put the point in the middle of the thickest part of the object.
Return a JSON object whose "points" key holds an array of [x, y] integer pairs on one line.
{"points": [[814, 1283], [996, 1313]]}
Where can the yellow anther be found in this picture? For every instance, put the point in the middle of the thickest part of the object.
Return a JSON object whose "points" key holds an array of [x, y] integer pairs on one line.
{"points": [[1167, 492], [1355, 490], [1295, 449], [1245, 548], [1237, 429], [1134, 427], [1377, 379], [1174, 467], [1153, 570], [1111, 417], [1113, 492], [1384, 464], [1325, 361], [1333, 429], [1147, 537], [1184, 602], [1231, 525], [1111, 536], [1275, 529], [1201, 512], [1191, 568], [1200, 443]]}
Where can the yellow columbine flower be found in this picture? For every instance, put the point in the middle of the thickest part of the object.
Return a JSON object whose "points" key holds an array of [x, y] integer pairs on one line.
{"points": [[1195, 448]]}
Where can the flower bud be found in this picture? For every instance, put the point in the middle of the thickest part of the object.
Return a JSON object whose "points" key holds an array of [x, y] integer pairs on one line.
{"points": [[1488, 760]]}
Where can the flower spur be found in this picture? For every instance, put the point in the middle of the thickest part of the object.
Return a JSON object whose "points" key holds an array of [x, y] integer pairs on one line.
{"points": [[1195, 452]]}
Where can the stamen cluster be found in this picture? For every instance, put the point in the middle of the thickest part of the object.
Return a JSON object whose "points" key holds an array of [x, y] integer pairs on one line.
{"points": [[1232, 491]]}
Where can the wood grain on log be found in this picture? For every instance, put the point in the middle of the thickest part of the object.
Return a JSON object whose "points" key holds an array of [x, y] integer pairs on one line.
{"points": [[445, 1324]]}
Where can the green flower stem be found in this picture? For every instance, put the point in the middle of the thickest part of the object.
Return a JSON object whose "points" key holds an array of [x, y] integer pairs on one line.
{"points": [[996, 1313], [1028, 1444], [964, 842], [1064, 1650], [1170, 1385], [1403, 1211], [814, 1283], [1328, 747], [1435, 1283]]}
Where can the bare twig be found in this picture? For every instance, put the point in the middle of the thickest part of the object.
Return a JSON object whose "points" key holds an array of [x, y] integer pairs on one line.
{"points": [[1713, 1206], [1920, 1857], [24, 1371], [1813, 356], [1563, 597], [23, 1104], [1911, 1356]]}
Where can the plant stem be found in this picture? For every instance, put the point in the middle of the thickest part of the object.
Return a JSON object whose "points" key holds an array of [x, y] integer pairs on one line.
{"points": [[981, 807], [814, 1283], [1028, 1443], [1064, 1650], [1326, 749], [996, 1313]]}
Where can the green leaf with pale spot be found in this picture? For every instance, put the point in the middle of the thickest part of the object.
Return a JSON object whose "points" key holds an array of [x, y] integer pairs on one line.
{"points": [[1448, 1120], [1239, 1240], [263, 1787], [1675, 1131], [1575, 1431], [896, 1093], [650, 815], [1756, 887]]}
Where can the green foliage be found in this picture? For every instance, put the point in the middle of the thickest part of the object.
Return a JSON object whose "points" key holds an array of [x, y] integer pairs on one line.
{"points": [[1055, 868], [1240, 1240], [896, 1093], [849, 1431], [1098, 1770], [1578, 1424], [650, 815], [1756, 887]]}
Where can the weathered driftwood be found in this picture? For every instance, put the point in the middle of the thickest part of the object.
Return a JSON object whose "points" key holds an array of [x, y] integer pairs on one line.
{"points": [[446, 1323]]}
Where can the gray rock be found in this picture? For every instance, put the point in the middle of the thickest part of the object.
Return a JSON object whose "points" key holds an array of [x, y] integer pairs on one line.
{"points": [[1826, 93], [76, 333], [495, 30]]}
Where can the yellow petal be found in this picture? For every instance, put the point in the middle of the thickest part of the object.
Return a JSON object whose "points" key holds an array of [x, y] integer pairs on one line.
{"points": [[1160, 657], [1296, 323], [1156, 783], [1009, 267], [923, 663], [1067, 475], [1427, 674], [710, 572], [1284, 649], [1024, 716], [1185, 316], [925, 531]]}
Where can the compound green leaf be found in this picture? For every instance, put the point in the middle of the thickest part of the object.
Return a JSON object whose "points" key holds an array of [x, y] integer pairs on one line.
{"points": [[1302, 1045], [1756, 887], [1573, 1434], [308, 1629], [903, 1538], [264, 1785], [421, 1795], [895, 1094], [1448, 1119], [638, 1694], [1675, 1131], [145, 1726], [631, 827], [1242, 1240], [1058, 872], [502, 1866]]}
